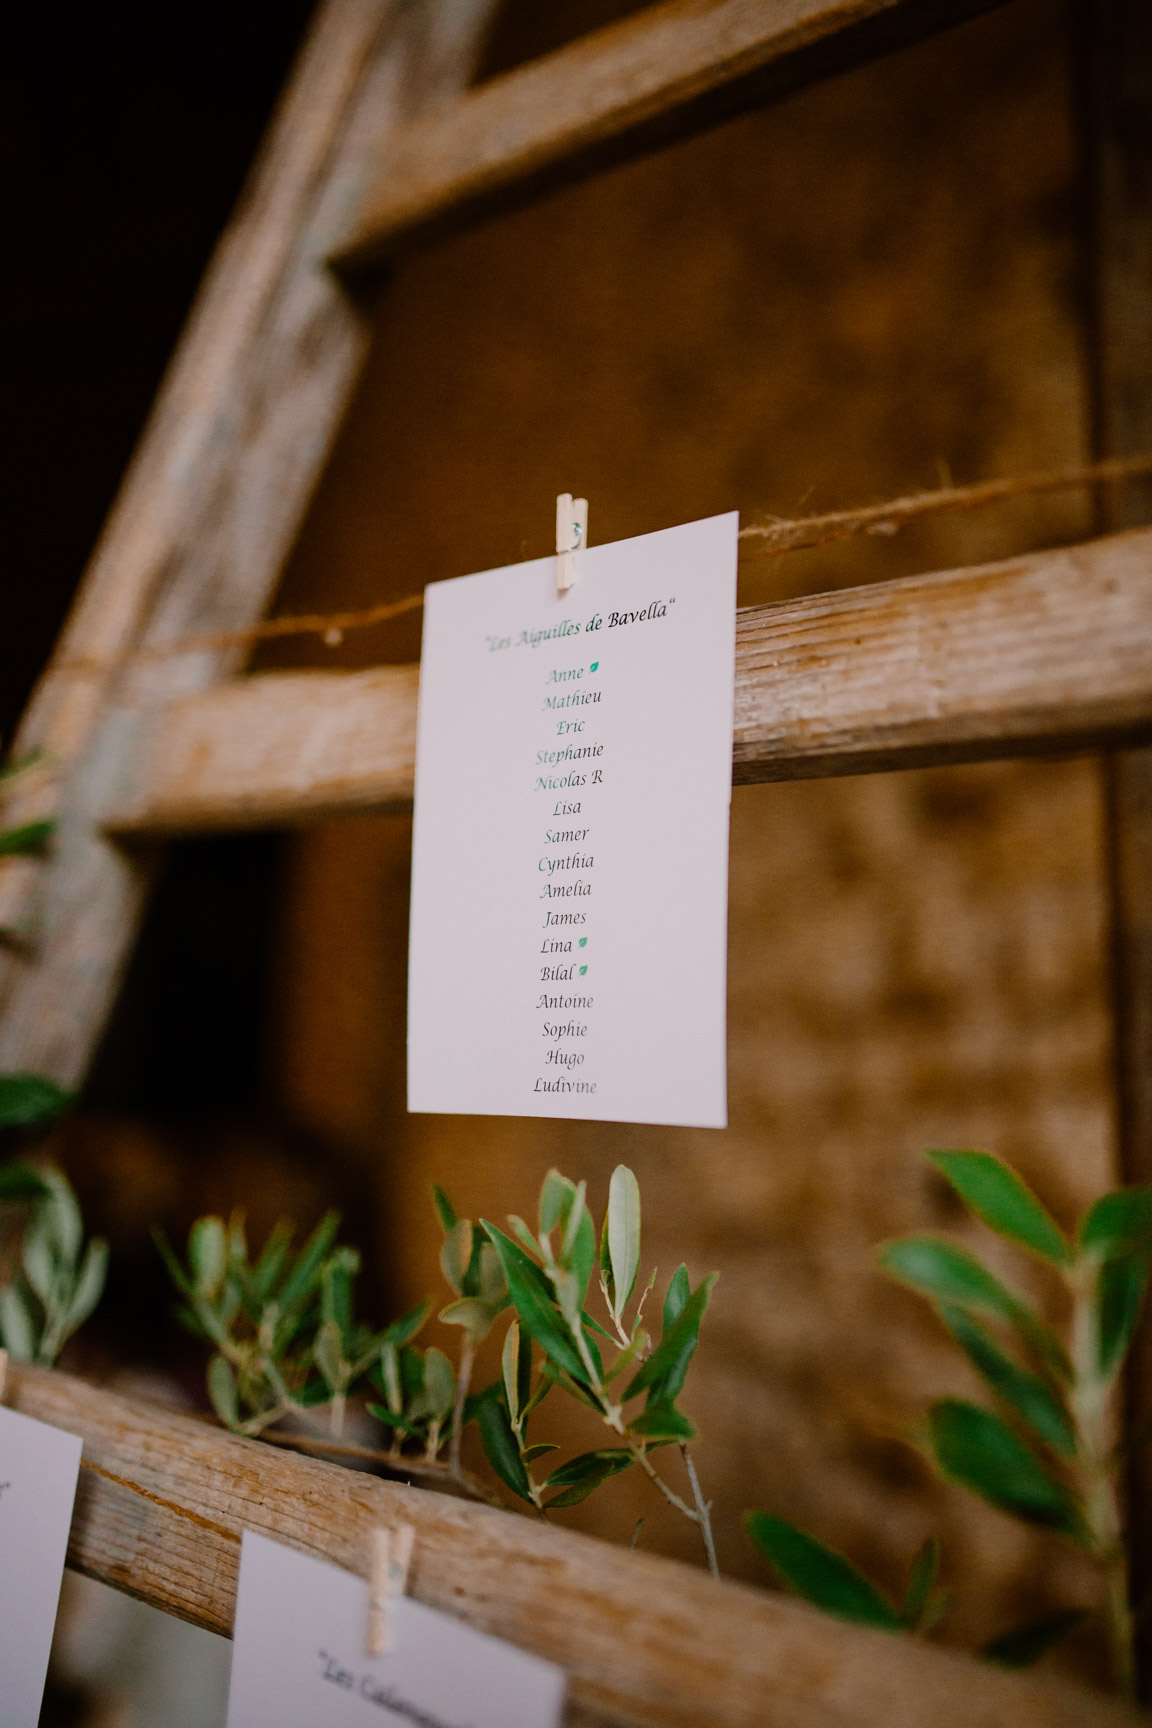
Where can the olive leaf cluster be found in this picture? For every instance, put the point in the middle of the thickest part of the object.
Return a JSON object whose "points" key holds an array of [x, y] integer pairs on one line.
{"points": [[419, 1391], [613, 1366], [472, 1269], [282, 1326], [50, 1281], [286, 1342], [1044, 1452], [57, 1279]]}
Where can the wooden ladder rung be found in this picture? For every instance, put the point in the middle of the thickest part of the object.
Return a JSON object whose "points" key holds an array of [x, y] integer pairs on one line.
{"points": [[1045, 653], [668, 72], [163, 1499]]}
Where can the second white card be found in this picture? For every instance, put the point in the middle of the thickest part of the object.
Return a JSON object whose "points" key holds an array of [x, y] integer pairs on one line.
{"points": [[570, 854], [298, 1657], [38, 1468]]}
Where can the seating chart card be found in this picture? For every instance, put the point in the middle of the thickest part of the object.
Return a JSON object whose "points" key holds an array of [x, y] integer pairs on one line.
{"points": [[298, 1662], [570, 854], [38, 1469]]}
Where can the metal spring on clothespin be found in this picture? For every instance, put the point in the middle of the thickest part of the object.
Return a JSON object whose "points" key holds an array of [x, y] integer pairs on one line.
{"points": [[571, 536], [391, 1558]]}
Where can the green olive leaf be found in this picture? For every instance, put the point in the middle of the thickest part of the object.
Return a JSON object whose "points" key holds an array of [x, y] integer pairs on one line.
{"points": [[222, 1391], [949, 1274], [19, 1327], [1119, 1224], [821, 1575], [531, 1297], [665, 1371], [581, 1476], [1031, 1398], [499, 1443], [30, 838], [993, 1191], [1024, 1645], [1120, 1296], [975, 1448], [445, 1210], [456, 1254], [623, 1228]]}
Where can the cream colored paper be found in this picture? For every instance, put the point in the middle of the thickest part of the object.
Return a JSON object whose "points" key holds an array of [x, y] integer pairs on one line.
{"points": [[38, 1468], [570, 854], [298, 1657]]}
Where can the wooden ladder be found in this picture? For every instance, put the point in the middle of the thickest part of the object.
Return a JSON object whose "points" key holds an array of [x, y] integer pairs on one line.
{"points": [[378, 145]]}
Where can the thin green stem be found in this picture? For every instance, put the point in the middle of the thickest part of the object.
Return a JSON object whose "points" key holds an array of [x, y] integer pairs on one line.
{"points": [[1089, 1400], [703, 1511], [336, 1413], [669, 1494], [255, 1425], [521, 1438], [436, 1469], [463, 1380]]}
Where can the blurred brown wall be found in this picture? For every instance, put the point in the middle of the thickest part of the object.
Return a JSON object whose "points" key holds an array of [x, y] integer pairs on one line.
{"points": [[868, 287]]}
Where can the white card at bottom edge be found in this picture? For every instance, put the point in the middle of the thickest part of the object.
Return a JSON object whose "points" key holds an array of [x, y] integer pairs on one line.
{"points": [[298, 1657], [38, 1469]]}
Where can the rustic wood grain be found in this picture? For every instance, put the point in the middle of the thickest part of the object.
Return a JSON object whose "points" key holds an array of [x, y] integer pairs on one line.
{"points": [[163, 1499], [666, 73], [213, 498], [1046, 653], [282, 747]]}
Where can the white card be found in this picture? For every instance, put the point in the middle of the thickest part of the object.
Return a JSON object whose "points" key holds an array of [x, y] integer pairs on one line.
{"points": [[570, 854], [298, 1657], [38, 1469]]}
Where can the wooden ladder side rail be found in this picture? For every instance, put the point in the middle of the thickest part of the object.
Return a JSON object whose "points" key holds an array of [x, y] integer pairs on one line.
{"points": [[1047, 653], [163, 1499], [664, 74], [214, 496]]}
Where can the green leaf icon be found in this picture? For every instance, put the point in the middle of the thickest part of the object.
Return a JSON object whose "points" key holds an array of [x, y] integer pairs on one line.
{"points": [[594, 665], [583, 969], [583, 941]]}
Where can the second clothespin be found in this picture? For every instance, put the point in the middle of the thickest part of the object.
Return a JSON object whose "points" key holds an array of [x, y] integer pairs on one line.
{"points": [[571, 537], [388, 1578]]}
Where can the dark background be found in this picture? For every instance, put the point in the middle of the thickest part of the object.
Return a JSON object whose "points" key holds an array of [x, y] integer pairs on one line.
{"points": [[126, 130]]}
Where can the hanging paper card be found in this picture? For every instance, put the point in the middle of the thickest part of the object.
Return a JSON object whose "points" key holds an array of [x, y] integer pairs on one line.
{"points": [[298, 1657], [38, 1467], [570, 854]]}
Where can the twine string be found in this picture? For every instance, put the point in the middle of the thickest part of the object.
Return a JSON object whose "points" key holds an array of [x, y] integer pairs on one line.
{"points": [[769, 539]]}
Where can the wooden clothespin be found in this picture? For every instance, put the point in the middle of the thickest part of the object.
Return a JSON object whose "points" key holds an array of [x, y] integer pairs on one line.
{"points": [[391, 1558], [3, 1373], [571, 536]]}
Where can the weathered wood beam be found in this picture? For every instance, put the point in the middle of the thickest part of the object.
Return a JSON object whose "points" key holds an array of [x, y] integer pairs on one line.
{"points": [[282, 747], [163, 1499], [1046, 653], [671, 70]]}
